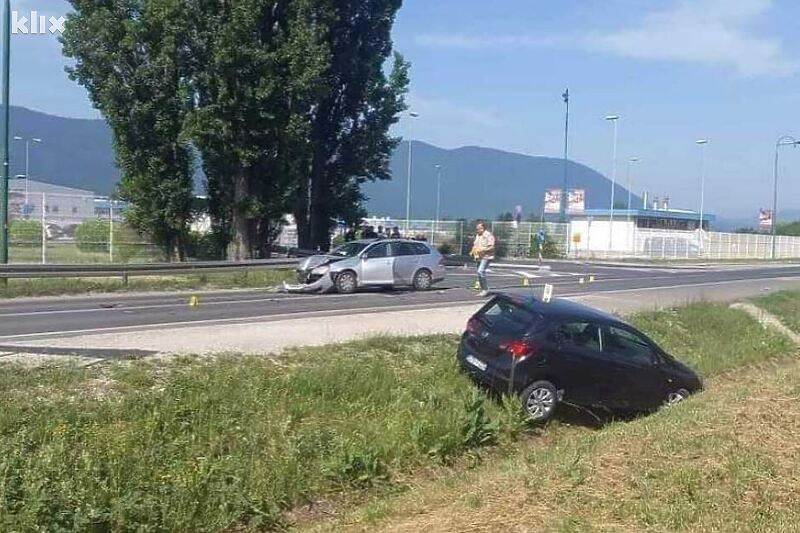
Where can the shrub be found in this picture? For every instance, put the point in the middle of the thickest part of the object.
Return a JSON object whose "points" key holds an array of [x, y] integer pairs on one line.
{"points": [[25, 232], [92, 236]]}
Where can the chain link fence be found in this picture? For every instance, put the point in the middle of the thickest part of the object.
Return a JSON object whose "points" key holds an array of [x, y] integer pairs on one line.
{"points": [[65, 229], [447, 235], [517, 240]]}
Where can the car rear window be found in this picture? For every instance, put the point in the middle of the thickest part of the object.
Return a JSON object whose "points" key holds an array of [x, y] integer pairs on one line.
{"points": [[507, 318], [420, 249]]}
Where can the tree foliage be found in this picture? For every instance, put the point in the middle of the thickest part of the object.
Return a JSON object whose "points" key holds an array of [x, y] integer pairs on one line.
{"points": [[130, 56], [288, 103]]}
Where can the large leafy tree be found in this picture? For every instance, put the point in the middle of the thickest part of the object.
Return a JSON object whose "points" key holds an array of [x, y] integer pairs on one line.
{"points": [[131, 56], [349, 120], [254, 68]]}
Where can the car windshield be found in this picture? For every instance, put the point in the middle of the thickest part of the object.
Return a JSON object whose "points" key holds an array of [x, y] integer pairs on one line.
{"points": [[350, 249]]}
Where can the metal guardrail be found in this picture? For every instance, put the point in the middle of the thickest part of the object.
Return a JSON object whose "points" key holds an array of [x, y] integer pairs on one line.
{"points": [[146, 269]]}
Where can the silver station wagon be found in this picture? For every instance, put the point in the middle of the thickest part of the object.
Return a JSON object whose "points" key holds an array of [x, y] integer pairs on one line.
{"points": [[371, 263]]}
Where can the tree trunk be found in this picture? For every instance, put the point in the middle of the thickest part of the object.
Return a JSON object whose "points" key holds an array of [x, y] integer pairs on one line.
{"points": [[239, 246], [320, 203], [301, 217]]}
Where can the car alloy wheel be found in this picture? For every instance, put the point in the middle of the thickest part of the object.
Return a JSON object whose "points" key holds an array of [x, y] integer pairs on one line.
{"points": [[677, 397], [346, 282], [539, 400], [422, 280]]}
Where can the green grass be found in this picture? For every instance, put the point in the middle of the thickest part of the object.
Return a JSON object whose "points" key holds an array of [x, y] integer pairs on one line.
{"points": [[236, 442], [61, 286], [68, 253], [784, 305], [712, 338]]}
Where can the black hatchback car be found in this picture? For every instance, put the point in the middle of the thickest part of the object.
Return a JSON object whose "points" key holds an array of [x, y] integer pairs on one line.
{"points": [[562, 351]]}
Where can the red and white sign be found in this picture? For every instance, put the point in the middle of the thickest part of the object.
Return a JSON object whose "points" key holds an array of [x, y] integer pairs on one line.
{"points": [[552, 201], [765, 219], [576, 201]]}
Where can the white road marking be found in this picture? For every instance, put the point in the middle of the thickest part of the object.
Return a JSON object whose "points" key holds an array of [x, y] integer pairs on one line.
{"points": [[363, 310]]}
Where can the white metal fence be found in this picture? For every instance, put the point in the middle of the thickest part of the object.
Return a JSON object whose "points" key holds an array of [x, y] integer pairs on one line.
{"points": [[676, 245], [61, 228]]}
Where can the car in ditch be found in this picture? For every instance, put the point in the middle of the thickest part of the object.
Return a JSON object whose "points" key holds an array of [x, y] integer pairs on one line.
{"points": [[371, 263], [561, 351]]}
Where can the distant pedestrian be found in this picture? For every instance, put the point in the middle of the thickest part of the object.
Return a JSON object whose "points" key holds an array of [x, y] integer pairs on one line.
{"points": [[396, 233], [539, 241], [382, 234], [369, 233], [483, 251], [351, 234]]}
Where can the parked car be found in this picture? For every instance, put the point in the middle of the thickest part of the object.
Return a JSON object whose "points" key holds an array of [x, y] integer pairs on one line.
{"points": [[562, 351], [365, 263]]}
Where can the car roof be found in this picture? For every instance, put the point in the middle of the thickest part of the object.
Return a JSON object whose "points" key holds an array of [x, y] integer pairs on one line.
{"points": [[370, 241], [560, 307]]}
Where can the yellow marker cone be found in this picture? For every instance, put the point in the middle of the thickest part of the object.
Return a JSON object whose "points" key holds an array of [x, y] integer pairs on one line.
{"points": [[582, 281], [526, 282], [591, 279], [477, 286], [194, 301]]}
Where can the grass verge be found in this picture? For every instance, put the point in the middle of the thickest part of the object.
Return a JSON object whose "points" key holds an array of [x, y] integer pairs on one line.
{"points": [[235, 443], [17, 288], [785, 306]]}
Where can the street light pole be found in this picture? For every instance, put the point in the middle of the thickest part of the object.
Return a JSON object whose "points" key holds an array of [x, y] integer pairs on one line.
{"points": [[413, 115], [438, 198], [702, 143], [565, 96], [785, 140], [28, 142], [631, 161], [614, 119], [4, 142]]}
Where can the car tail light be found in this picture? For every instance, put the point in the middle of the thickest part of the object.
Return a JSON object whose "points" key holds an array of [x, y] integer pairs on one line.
{"points": [[521, 348], [473, 326]]}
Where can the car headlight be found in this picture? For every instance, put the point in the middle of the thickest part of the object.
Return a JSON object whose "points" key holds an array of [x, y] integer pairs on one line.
{"points": [[321, 270]]}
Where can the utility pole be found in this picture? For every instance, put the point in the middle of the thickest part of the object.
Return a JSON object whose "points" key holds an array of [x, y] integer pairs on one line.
{"points": [[785, 140], [615, 120], [4, 138], [565, 96], [413, 115]]}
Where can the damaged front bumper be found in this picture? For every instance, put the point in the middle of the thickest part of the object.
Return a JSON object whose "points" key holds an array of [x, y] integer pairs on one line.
{"points": [[307, 282]]}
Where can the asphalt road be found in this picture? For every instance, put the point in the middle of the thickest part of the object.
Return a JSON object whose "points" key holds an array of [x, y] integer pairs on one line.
{"points": [[21, 319]]}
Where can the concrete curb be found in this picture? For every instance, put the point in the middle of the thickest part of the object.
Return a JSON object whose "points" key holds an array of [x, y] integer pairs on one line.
{"points": [[767, 320]]}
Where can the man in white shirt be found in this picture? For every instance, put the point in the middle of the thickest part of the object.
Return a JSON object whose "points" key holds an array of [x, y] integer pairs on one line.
{"points": [[483, 252]]}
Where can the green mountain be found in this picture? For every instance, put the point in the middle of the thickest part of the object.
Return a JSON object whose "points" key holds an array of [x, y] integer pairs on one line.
{"points": [[476, 181], [74, 152], [481, 182]]}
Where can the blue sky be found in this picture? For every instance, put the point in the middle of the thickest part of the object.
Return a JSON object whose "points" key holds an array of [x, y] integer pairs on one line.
{"points": [[491, 74]]}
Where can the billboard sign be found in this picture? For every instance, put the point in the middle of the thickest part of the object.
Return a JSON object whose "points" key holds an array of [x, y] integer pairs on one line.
{"points": [[765, 219], [576, 201], [552, 201]]}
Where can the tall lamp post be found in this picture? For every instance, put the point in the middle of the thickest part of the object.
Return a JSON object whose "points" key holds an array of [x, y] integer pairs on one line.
{"points": [[785, 140], [565, 96], [614, 119], [27, 161], [412, 114], [438, 199], [4, 138], [702, 143], [631, 161]]}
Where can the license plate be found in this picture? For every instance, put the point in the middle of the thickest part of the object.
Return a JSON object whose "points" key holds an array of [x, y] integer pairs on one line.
{"points": [[474, 361]]}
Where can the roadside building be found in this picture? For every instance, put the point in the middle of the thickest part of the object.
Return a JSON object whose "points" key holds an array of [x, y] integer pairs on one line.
{"points": [[64, 205], [645, 231]]}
